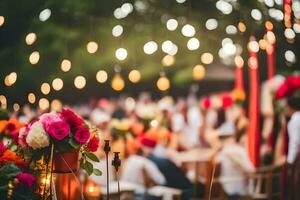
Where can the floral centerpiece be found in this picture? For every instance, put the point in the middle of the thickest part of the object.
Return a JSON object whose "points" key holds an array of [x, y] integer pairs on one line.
{"points": [[63, 135], [17, 181], [9, 129]]}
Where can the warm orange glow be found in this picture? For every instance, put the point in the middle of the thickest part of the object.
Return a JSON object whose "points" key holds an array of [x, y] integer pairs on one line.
{"points": [[239, 61], [134, 76], [269, 25], [117, 82], [163, 83], [242, 27], [198, 72]]}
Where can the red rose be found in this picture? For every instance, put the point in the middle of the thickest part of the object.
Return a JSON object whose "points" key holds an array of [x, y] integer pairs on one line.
{"points": [[71, 118], [82, 135], [93, 144], [206, 103], [26, 179], [226, 101], [11, 128], [58, 130]]}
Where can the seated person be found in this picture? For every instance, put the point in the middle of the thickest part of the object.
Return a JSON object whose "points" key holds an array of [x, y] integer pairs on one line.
{"points": [[234, 163], [139, 170]]}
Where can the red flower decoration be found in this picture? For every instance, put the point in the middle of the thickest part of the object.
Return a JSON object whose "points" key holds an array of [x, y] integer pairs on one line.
{"points": [[226, 101], [26, 179], [290, 85], [2, 148], [71, 118], [93, 144], [206, 103], [58, 130], [82, 135]]}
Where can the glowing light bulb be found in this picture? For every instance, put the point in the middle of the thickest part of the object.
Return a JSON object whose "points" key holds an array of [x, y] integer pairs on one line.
{"points": [[172, 24], [56, 105], [57, 84], [207, 58], [30, 38], [150, 47], [80, 82], [65, 65], [188, 30], [31, 98], [101, 76], [117, 30], [198, 72], [43, 103], [168, 60], [2, 20], [92, 47], [163, 83], [239, 62], [134, 76], [193, 44], [121, 54], [45, 88], [34, 57], [117, 82]]}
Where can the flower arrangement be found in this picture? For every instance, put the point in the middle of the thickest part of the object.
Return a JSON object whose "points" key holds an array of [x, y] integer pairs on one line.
{"points": [[9, 129], [66, 134], [16, 180]]}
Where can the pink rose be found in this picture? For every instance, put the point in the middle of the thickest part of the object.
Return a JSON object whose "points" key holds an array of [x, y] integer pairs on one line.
{"points": [[2, 148], [82, 135], [22, 136], [58, 130], [93, 144], [26, 179], [49, 118]]}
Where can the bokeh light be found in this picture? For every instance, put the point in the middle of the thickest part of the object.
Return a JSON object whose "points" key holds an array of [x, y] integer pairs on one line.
{"points": [[57, 84], [207, 58], [193, 44], [30, 38], [45, 88], [101, 76], [198, 72], [121, 54], [2, 20], [117, 82], [172, 24], [31, 98], [65, 65], [168, 60], [43, 104], [134, 76], [150, 47], [188, 30], [92, 47], [56, 105], [163, 83], [80, 82], [34, 57]]}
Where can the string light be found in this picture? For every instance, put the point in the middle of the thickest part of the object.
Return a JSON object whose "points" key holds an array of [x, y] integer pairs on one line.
{"points": [[43, 103], [10, 79], [211, 24], [101, 76], [117, 30], [193, 44], [80, 82], [34, 57], [30, 38], [198, 72], [65, 65], [56, 105], [263, 44], [57, 84], [117, 82], [31, 98], [253, 46], [121, 54], [163, 83], [134, 76], [188, 30], [45, 88], [167, 46], [239, 62], [172, 24], [241, 27], [45, 14], [16, 107], [3, 101], [92, 47], [207, 58], [168, 60], [150, 47], [2, 20]]}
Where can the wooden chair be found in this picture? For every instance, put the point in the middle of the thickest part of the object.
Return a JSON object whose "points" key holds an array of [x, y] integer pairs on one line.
{"points": [[265, 183]]}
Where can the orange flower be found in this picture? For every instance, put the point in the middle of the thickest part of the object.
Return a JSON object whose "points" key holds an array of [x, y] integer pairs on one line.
{"points": [[3, 125], [10, 156]]}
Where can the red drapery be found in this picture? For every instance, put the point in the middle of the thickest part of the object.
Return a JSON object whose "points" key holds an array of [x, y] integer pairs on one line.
{"points": [[253, 130]]}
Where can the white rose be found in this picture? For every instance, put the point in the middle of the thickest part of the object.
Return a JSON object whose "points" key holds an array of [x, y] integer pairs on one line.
{"points": [[37, 137]]}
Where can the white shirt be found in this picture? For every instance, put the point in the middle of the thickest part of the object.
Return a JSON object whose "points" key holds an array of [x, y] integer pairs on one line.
{"points": [[133, 171], [234, 163], [294, 137]]}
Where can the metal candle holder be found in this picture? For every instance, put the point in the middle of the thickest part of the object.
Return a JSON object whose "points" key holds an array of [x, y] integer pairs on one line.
{"points": [[107, 150], [116, 162]]}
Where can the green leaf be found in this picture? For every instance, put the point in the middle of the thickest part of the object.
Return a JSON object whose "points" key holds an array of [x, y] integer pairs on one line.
{"points": [[97, 172], [92, 156], [81, 163], [88, 167]]}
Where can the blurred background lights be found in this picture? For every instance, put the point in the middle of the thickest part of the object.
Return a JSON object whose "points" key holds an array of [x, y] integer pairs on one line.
{"points": [[3, 101], [80, 82], [10, 79], [34, 57], [56, 105], [117, 82], [121, 54], [150, 47], [31, 98], [296, 28], [173, 50], [101, 76], [241, 27], [211, 24], [16, 107], [263, 44], [269, 3], [168, 60], [253, 46], [30, 38], [207, 58], [224, 7], [226, 41], [117, 30], [188, 30], [172, 24], [231, 29], [276, 14], [239, 62], [289, 33], [134, 76], [256, 14], [290, 56], [229, 49], [57, 84], [180, 1], [43, 103], [167, 46], [127, 8], [193, 44], [45, 88], [2, 19], [65, 65], [163, 83], [45, 14], [92, 47], [198, 72]]}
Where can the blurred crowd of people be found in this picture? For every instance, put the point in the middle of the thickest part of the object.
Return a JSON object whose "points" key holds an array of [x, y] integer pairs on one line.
{"points": [[151, 134]]}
